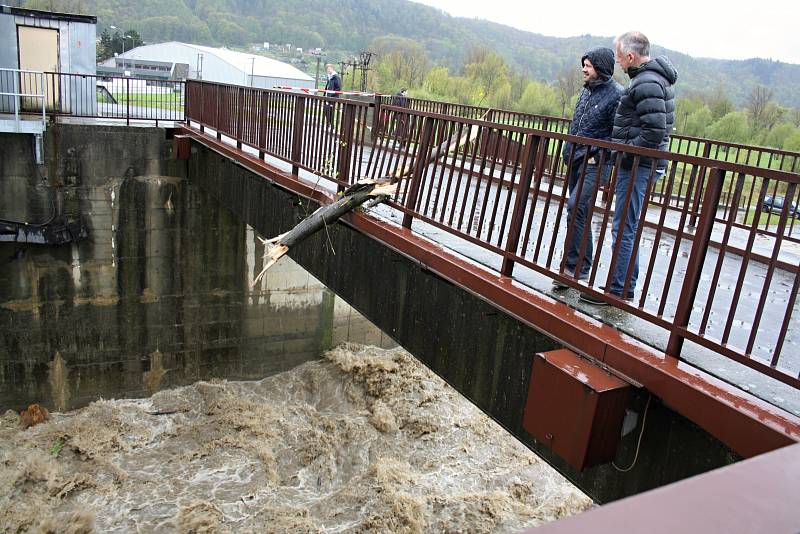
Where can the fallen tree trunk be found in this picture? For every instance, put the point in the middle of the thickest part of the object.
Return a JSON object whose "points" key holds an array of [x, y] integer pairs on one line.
{"points": [[356, 195], [352, 197]]}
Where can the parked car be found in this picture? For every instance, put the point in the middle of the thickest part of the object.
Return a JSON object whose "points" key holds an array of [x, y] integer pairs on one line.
{"points": [[775, 204]]}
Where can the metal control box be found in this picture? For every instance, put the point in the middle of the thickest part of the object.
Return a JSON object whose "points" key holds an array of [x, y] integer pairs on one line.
{"points": [[575, 407], [181, 145]]}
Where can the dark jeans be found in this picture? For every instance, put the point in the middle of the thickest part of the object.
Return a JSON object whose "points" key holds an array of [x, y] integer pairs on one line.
{"points": [[327, 111], [629, 225], [577, 209]]}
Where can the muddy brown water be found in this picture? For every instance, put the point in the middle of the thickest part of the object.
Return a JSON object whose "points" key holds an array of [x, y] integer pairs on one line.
{"points": [[363, 440]]}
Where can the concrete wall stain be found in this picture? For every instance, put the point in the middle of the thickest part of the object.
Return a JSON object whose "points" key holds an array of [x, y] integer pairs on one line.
{"points": [[59, 384], [152, 378]]}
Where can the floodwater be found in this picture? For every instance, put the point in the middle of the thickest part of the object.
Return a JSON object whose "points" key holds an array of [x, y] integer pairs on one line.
{"points": [[363, 440], [226, 418]]}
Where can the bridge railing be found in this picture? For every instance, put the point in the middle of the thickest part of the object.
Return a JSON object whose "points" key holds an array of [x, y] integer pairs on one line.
{"points": [[683, 185], [325, 136], [756, 156], [719, 262]]}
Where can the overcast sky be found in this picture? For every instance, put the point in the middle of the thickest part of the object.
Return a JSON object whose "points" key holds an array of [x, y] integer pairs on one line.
{"points": [[728, 30]]}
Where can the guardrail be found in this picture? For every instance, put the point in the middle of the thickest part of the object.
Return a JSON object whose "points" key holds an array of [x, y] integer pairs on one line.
{"points": [[757, 156], [683, 184], [22, 90], [106, 97], [714, 266]]}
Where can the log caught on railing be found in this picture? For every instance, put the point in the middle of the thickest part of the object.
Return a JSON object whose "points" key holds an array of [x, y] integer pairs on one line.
{"points": [[363, 191]]}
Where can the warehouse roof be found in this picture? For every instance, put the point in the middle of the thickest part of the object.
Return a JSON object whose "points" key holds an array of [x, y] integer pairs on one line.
{"points": [[260, 66]]}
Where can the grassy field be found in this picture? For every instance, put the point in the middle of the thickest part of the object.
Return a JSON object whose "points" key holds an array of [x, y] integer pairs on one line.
{"points": [[170, 101], [769, 218], [744, 157]]}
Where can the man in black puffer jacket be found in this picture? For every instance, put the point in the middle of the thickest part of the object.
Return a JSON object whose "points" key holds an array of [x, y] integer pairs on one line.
{"points": [[593, 117], [644, 118]]}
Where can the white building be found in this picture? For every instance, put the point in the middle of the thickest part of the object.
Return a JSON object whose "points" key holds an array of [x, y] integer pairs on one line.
{"points": [[222, 65]]}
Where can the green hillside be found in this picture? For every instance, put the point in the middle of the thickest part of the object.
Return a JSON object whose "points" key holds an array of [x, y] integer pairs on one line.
{"points": [[346, 26]]}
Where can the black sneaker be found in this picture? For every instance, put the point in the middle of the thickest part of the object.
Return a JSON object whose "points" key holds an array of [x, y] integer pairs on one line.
{"points": [[630, 295], [591, 299], [558, 285]]}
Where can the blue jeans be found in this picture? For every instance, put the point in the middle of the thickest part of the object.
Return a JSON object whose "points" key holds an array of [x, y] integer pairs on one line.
{"points": [[629, 225], [577, 209]]}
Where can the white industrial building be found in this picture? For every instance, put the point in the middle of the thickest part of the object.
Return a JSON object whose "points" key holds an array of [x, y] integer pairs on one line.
{"points": [[219, 65]]}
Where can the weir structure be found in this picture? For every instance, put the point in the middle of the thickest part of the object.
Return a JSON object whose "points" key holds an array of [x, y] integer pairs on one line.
{"points": [[697, 371]]}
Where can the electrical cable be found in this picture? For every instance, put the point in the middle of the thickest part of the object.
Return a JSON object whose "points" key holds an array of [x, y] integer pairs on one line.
{"points": [[50, 189], [639, 441]]}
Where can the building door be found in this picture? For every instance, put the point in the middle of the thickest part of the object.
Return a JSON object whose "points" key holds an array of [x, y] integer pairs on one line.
{"points": [[38, 50]]}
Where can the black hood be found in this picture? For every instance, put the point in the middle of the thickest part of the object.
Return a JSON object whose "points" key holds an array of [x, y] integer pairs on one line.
{"points": [[602, 59], [661, 65]]}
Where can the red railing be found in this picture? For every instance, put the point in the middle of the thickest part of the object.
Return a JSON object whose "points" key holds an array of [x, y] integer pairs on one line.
{"points": [[716, 269], [756, 156], [325, 136]]}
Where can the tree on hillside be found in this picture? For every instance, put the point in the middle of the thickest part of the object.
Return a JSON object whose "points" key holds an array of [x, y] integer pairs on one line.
{"points": [[105, 48], [719, 103], [540, 99], [792, 142], [63, 6], [732, 128], [779, 134], [698, 123], [400, 63], [757, 102], [489, 74], [793, 116], [685, 106], [569, 83]]}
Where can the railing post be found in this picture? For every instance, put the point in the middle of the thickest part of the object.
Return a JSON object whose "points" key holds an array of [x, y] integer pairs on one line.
{"points": [[202, 111], [262, 125], [532, 155], [217, 125], [346, 137], [127, 101], [42, 84], [419, 170], [239, 118], [17, 98], [698, 191], [697, 258], [376, 119], [297, 133]]}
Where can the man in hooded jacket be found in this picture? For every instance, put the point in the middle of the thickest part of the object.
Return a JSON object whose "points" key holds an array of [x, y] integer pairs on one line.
{"points": [[593, 117], [644, 118]]}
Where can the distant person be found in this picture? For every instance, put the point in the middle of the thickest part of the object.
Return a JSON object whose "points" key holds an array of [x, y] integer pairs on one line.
{"points": [[400, 99], [644, 118], [593, 117], [332, 88]]}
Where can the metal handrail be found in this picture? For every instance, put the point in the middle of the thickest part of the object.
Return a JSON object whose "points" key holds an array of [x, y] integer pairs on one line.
{"points": [[17, 94]]}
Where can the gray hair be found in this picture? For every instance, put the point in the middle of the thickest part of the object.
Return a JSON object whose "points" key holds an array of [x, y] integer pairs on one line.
{"points": [[633, 42]]}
